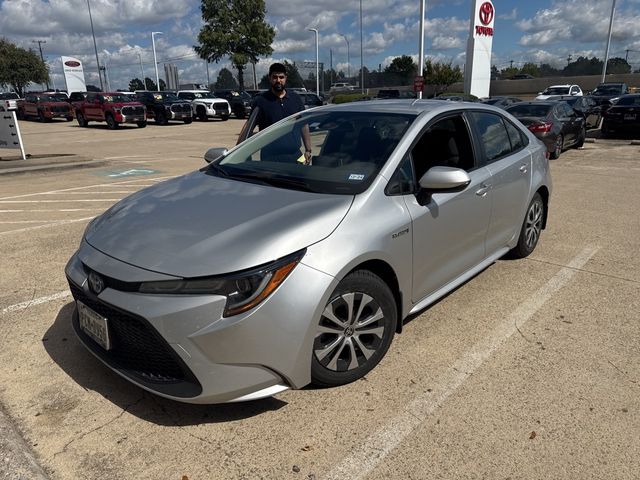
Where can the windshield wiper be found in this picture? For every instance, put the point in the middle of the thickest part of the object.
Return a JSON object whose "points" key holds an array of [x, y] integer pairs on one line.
{"points": [[289, 182]]}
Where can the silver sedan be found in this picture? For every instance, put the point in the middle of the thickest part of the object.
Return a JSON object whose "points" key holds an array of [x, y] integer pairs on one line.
{"points": [[267, 270]]}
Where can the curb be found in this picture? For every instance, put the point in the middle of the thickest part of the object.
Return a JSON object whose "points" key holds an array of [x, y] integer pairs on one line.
{"points": [[17, 461], [46, 163]]}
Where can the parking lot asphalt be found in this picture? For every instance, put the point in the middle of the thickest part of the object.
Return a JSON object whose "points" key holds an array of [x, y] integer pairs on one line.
{"points": [[530, 370]]}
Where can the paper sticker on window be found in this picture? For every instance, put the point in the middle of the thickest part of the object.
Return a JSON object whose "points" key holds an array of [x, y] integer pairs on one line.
{"points": [[157, 97], [356, 176]]}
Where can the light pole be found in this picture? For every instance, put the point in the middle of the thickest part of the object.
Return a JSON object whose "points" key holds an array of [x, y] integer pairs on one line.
{"points": [[94, 46], [361, 54], [155, 61], [348, 64], [315, 30], [40, 42], [421, 59], [141, 69], [606, 55]]}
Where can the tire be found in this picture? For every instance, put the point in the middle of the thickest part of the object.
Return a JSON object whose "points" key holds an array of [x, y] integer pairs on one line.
{"points": [[41, 117], [344, 352], [69, 119], [531, 229], [224, 118], [111, 121], [141, 124], [202, 114], [81, 120], [187, 121], [20, 114], [558, 147], [239, 112], [161, 118], [581, 138]]}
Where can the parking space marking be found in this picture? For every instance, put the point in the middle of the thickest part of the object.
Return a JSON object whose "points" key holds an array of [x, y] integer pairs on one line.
{"points": [[93, 200], [373, 450], [56, 224], [36, 301]]}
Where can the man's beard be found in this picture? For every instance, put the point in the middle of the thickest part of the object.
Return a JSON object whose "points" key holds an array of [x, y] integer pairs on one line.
{"points": [[278, 87]]}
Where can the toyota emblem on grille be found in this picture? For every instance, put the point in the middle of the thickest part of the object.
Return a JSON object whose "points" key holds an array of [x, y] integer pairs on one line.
{"points": [[96, 283]]}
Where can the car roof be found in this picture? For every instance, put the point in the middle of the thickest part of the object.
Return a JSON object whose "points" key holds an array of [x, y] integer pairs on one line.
{"points": [[564, 85], [194, 91], [408, 106]]}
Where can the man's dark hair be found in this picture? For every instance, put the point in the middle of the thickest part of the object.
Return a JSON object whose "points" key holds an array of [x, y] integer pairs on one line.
{"points": [[277, 68]]}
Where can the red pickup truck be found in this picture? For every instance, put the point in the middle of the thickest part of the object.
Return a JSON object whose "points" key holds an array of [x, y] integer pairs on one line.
{"points": [[45, 106], [114, 108]]}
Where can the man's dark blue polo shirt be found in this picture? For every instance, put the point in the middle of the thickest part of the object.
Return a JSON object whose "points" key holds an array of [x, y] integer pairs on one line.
{"points": [[274, 109]]}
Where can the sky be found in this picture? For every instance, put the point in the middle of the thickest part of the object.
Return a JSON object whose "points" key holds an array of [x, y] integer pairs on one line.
{"points": [[540, 31]]}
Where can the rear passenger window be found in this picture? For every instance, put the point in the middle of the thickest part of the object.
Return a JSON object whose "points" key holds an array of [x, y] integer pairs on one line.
{"points": [[493, 135], [518, 140]]}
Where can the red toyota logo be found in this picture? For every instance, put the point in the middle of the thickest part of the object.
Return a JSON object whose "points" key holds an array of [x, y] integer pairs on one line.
{"points": [[72, 63], [486, 13]]}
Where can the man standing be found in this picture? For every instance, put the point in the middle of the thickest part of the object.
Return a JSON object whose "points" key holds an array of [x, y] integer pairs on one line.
{"points": [[276, 104]]}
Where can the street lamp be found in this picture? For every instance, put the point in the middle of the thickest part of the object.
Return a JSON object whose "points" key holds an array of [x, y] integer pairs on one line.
{"points": [[315, 30], [361, 55], [606, 55], [40, 42], [155, 61], [348, 64], [421, 59], [94, 45]]}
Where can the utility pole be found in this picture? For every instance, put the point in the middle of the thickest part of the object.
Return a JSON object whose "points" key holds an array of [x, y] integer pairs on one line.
{"points": [[40, 42], [94, 46], [568, 60], [510, 63], [606, 55], [361, 54]]}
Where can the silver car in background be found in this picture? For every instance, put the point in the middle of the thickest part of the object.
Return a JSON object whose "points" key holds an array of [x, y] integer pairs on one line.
{"points": [[262, 272]]}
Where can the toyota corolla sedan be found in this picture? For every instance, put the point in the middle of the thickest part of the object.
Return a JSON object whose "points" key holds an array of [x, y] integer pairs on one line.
{"points": [[271, 269]]}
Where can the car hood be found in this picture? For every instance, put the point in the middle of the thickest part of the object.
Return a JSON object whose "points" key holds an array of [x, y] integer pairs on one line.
{"points": [[198, 225], [126, 104]]}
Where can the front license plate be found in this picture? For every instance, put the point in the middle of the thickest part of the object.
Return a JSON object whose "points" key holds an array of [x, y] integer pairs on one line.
{"points": [[630, 116], [94, 325]]}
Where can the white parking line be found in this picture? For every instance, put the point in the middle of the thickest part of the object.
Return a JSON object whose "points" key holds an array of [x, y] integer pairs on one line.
{"points": [[62, 222], [36, 301], [55, 210], [63, 201], [373, 450]]}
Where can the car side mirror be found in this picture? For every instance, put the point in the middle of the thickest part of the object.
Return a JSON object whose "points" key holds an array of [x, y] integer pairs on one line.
{"points": [[442, 180], [215, 153]]}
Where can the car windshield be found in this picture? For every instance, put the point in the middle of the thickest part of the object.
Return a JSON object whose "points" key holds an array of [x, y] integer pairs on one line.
{"points": [[608, 90], [529, 110], [556, 91], [117, 98], [348, 151], [245, 96], [56, 97], [9, 96], [164, 96], [204, 95], [492, 101]]}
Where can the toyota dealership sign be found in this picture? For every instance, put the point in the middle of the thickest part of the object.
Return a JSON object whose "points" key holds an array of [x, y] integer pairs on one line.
{"points": [[73, 74], [477, 72]]}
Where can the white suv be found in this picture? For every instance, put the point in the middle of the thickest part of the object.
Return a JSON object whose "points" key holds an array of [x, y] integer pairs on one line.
{"points": [[554, 90], [205, 104], [8, 101]]}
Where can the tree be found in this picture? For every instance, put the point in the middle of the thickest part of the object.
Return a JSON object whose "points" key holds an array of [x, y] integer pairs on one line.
{"points": [[136, 84], [404, 67], [226, 80], [583, 66], [441, 75], [618, 65], [149, 84], [234, 28], [294, 79], [530, 69], [547, 70], [20, 67]]}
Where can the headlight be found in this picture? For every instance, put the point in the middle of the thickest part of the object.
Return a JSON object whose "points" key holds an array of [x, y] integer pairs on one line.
{"points": [[243, 290]]}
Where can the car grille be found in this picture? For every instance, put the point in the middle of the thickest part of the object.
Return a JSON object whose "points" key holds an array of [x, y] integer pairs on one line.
{"points": [[181, 108], [60, 109], [138, 351], [220, 108], [139, 110]]}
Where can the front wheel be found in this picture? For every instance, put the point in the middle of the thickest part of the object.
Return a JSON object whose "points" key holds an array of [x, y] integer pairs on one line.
{"points": [[187, 121], [224, 118], [202, 114], [581, 137], [111, 122], [141, 124], [531, 228], [81, 120], [354, 331], [161, 118]]}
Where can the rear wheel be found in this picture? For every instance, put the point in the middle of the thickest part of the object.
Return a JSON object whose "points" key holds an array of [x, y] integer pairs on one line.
{"points": [[354, 331], [581, 137], [111, 122], [558, 147], [202, 114], [187, 121], [224, 118], [141, 124], [531, 228]]}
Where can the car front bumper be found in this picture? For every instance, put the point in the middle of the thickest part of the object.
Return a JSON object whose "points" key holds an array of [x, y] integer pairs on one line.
{"points": [[181, 347]]}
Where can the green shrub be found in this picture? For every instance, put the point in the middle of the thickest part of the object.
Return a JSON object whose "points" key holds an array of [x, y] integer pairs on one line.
{"points": [[350, 97]]}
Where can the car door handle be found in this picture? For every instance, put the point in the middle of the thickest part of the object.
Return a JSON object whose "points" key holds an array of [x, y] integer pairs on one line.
{"points": [[523, 168], [482, 191]]}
